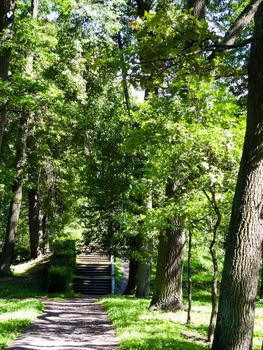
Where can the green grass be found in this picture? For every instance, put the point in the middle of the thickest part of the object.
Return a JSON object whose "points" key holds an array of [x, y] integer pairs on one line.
{"points": [[118, 275], [141, 329], [15, 316], [16, 310]]}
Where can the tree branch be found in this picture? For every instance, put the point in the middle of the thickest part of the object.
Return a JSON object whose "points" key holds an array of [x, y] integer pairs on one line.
{"points": [[242, 20]]}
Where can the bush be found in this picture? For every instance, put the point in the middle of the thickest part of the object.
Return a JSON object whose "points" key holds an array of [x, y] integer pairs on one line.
{"points": [[63, 261], [63, 245], [59, 278]]}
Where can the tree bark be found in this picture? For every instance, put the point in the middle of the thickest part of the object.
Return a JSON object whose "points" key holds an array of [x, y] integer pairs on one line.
{"points": [[15, 204], [261, 285], [131, 286], [240, 23], [189, 278], [234, 328], [144, 267], [34, 222], [143, 279], [168, 293], [7, 8]]}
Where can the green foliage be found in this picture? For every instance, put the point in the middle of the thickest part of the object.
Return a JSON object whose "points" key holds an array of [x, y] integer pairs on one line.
{"points": [[60, 272], [59, 278]]}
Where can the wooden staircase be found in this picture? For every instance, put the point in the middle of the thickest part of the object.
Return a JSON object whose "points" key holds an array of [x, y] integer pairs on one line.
{"points": [[93, 274]]}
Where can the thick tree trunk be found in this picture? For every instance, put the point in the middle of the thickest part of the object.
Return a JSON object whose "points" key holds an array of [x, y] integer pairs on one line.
{"points": [[13, 216], [143, 279], [261, 285], [34, 222], [168, 292], [234, 328], [15, 204], [131, 286], [7, 8], [171, 251], [189, 278]]}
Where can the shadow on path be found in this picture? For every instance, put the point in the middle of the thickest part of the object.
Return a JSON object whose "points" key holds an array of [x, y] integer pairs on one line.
{"points": [[69, 324]]}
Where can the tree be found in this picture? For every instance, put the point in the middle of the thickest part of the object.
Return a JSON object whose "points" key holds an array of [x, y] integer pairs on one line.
{"points": [[15, 202], [7, 9], [16, 199], [234, 328]]}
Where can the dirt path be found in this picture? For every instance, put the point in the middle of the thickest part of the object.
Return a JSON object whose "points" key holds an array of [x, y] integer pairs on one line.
{"points": [[71, 324]]}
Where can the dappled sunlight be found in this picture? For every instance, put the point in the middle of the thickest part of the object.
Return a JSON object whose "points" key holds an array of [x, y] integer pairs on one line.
{"points": [[140, 328], [69, 324], [25, 267], [19, 315]]}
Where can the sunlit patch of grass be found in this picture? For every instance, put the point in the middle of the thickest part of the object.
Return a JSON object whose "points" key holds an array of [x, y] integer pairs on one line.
{"points": [[139, 328], [9, 329], [15, 315], [7, 306], [32, 266]]}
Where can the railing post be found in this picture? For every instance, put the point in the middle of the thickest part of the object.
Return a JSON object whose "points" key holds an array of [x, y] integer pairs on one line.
{"points": [[112, 275]]}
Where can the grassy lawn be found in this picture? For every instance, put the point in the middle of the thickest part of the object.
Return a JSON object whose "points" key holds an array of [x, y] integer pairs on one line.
{"points": [[15, 315], [141, 329], [17, 308]]}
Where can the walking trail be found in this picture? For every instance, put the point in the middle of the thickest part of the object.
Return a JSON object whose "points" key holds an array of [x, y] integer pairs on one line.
{"points": [[70, 324]]}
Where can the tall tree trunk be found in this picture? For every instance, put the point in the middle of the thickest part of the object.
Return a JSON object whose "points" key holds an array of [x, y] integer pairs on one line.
{"points": [[168, 293], [261, 285], [143, 279], [144, 267], [234, 328], [15, 204], [189, 278], [131, 286], [34, 222], [7, 8]]}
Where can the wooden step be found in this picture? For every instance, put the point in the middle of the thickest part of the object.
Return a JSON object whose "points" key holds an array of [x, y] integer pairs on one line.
{"points": [[93, 274]]}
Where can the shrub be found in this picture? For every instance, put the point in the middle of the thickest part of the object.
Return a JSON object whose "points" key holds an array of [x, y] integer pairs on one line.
{"points": [[63, 261], [59, 278]]}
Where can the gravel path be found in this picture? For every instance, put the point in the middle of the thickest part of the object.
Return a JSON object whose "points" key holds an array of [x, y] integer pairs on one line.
{"points": [[70, 324]]}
